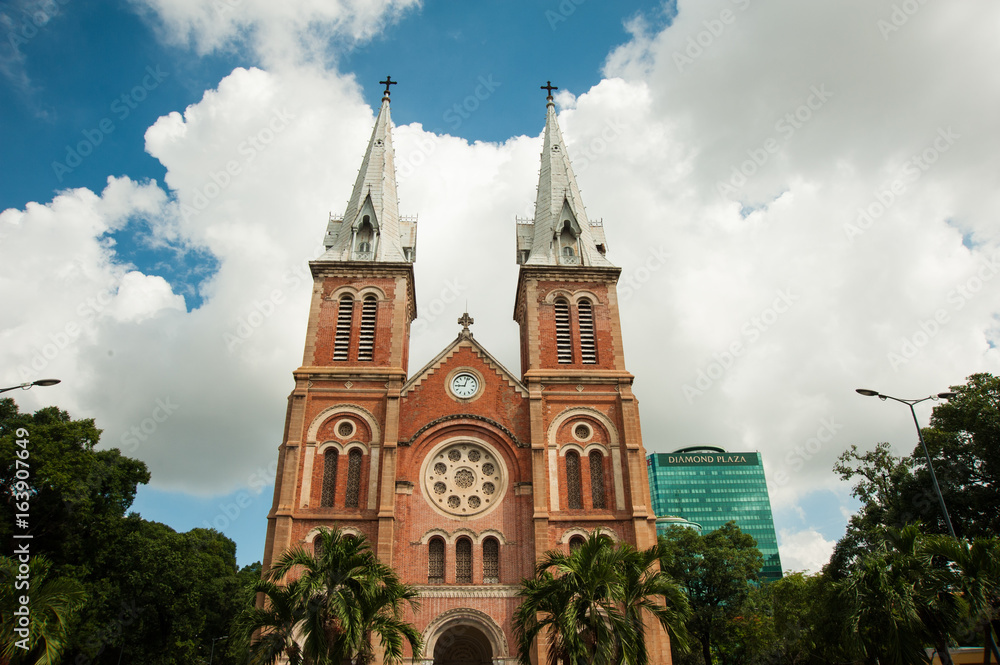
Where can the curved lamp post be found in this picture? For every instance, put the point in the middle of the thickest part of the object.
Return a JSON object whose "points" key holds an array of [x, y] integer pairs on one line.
{"points": [[930, 467], [26, 386], [211, 658]]}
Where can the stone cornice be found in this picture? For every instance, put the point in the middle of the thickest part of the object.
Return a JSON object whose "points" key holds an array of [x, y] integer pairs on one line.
{"points": [[467, 591]]}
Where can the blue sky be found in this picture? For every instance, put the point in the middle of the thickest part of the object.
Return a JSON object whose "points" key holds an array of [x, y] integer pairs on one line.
{"points": [[793, 218]]}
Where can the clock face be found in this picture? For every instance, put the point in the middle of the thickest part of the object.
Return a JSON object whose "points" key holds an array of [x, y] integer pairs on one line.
{"points": [[464, 385]]}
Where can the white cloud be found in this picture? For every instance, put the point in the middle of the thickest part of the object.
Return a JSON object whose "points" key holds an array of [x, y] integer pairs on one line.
{"points": [[806, 550]]}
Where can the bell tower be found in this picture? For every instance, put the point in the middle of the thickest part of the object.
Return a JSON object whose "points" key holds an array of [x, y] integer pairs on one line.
{"points": [[343, 415]]}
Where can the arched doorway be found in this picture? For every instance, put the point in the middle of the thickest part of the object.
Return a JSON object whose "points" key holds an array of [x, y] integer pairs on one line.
{"points": [[463, 644]]}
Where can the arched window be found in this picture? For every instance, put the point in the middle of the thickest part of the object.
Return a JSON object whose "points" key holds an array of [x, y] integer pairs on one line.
{"points": [[573, 480], [564, 341], [597, 478], [318, 547], [330, 458], [366, 340], [576, 542], [363, 240], [463, 561], [491, 561], [435, 561], [353, 478], [567, 244], [342, 339], [588, 349]]}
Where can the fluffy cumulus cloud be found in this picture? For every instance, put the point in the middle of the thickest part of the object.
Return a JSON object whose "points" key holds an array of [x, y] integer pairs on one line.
{"points": [[801, 197]]}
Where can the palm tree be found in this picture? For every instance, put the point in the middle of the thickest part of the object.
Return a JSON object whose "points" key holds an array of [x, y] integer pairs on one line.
{"points": [[277, 619], [643, 586], [592, 604], [51, 603], [336, 600]]}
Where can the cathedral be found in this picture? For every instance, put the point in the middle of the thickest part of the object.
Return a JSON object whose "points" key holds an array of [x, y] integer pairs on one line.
{"points": [[463, 473]]}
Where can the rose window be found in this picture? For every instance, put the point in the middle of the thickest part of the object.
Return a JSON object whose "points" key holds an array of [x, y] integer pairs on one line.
{"points": [[464, 479]]}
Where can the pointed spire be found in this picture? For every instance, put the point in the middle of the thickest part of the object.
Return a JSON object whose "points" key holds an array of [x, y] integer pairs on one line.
{"points": [[371, 228], [561, 233]]}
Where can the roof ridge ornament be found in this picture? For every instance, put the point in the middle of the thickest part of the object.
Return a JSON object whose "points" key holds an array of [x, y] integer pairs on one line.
{"points": [[548, 86], [465, 321], [387, 82]]}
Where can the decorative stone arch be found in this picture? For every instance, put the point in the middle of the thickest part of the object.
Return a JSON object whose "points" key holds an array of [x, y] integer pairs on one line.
{"points": [[342, 448], [465, 616], [373, 452], [566, 447], [600, 447], [345, 530], [580, 531], [342, 291], [584, 293], [555, 294], [371, 290], [555, 452], [458, 533], [432, 533], [491, 533]]}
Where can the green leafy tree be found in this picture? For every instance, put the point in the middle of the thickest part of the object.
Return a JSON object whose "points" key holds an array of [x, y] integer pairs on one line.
{"points": [[717, 572], [51, 603]]}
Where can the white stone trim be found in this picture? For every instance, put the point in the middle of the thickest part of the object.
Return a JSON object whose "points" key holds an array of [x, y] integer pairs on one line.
{"points": [[452, 537], [426, 538], [326, 413], [580, 531], [469, 617]]}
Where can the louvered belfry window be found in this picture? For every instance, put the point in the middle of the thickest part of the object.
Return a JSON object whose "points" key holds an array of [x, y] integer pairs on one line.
{"points": [[329, 477], [597, 478], [353, 478], [435, 563], [564, 341], [366, 341], [342, 339], [573, 480], [463, 561], [588, 349], [491, 561]]}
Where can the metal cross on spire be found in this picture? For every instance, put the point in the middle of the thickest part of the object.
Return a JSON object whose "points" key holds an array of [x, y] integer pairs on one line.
{"points": [[387, 82], [548, 86]]}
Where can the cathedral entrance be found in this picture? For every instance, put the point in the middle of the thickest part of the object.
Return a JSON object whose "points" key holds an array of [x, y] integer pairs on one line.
{"points": [[463, 644]]}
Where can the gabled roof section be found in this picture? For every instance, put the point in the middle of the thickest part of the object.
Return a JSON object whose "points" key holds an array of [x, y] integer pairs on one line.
{"points": [[374, 196], [558, 200], [463, 340]]}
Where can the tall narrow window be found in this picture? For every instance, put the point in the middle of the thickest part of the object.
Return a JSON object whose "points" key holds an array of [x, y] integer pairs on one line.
{"points": [[366, 340], [567, 245], [564, 343], [342, 340], [353, 478], [588, 349], [573, 480], [491, 561], [435, 561], [318, 547], [329, 477], [597, 478], [463, 561], [363, 240]]}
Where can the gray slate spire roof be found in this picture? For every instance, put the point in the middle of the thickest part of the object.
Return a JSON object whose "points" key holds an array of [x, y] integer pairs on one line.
{"points": [[561, 234], [389, 237]]}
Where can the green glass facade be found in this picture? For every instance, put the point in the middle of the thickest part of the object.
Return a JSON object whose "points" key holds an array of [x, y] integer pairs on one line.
{"points": [[711, 487]]}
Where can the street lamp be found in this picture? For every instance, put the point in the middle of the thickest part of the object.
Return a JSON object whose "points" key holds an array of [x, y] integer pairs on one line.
{"points": [[211, 657], [930, 467], [26, 386]]}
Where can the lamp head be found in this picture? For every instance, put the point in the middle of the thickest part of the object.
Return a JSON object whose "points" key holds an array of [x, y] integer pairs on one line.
{"points": [[947, 395], [866, 392], [46, 382]]}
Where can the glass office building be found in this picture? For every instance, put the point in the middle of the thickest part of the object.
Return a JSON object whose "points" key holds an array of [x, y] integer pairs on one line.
{"points": [[710, 487]]}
